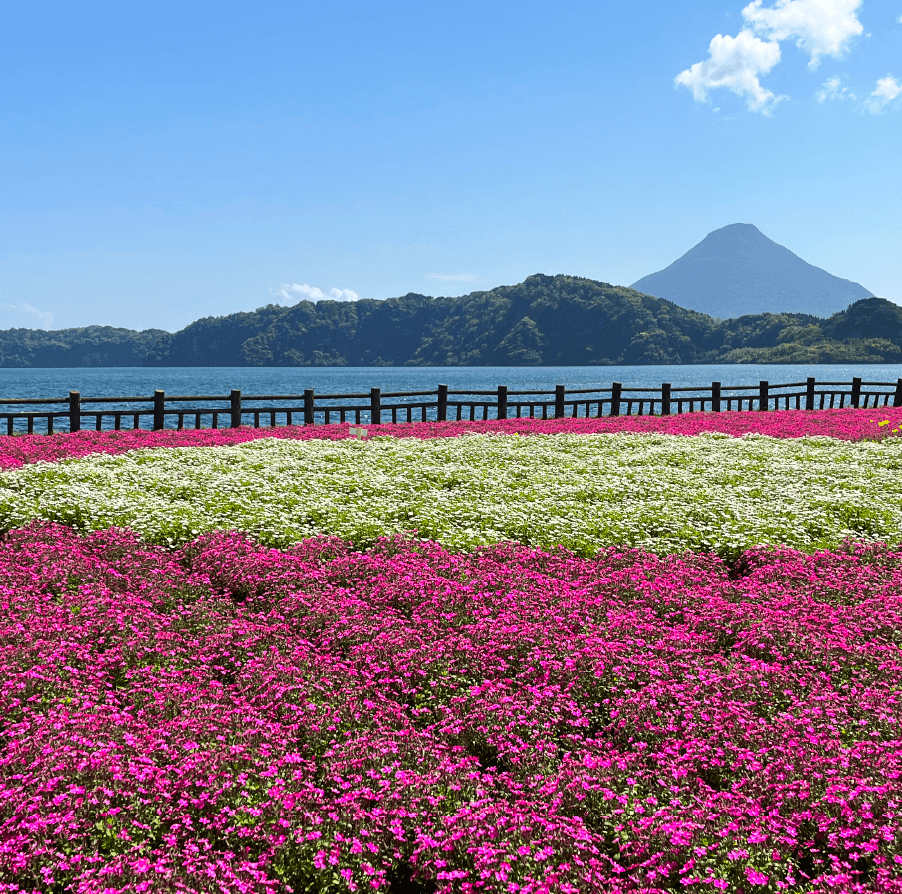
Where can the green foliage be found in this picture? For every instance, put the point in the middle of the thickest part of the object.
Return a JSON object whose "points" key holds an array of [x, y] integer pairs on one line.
{"points": [[545, 320], [87, 346]]}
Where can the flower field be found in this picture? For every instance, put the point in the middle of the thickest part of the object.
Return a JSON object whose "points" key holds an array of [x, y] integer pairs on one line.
{"points": [[664, 493], [229, 717], [607, 660], [846, 425]]}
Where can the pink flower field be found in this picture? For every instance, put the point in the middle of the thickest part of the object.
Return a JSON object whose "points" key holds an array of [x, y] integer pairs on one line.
{"points": [[230, 718], [845, 424]]}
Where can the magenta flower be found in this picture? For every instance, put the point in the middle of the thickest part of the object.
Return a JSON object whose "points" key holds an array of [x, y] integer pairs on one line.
{"points": [[846, 424]]}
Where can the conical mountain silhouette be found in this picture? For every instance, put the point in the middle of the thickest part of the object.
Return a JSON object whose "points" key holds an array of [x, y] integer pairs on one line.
{"points": [[737, 270]]}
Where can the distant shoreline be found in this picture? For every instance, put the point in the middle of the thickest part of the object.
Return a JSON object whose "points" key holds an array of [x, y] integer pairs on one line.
{"points": [[544, 322]]}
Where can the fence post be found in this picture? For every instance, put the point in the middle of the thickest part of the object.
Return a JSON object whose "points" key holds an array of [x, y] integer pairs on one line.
{"points": [[502, 401], [558, 401], [235, 399], [715, 397], [74, 411], [665, 399], [441, 413], [856, 392], [375, 406], [809, 393], [308, 406], [897, 398], [616, 388], [159, 417], [763, 399]]}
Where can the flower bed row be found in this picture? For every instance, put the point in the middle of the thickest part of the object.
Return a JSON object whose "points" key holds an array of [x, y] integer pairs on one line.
{"points": [[233, 718], [846, 425], [660, 492]]}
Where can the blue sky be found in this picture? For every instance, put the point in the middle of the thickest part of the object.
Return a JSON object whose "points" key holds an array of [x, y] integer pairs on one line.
{"points": [[162, 162]]}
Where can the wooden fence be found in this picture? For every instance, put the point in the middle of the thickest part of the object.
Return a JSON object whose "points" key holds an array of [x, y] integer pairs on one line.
{"points": [[440, 405]]}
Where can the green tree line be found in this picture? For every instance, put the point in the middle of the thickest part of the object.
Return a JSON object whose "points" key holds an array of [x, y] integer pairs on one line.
{"points": [[543, 321]]}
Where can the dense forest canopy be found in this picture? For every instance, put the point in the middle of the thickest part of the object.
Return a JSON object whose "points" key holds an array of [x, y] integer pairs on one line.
{"points": [[544, 321]]}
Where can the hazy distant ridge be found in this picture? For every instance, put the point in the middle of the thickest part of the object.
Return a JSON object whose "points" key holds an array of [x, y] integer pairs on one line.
{"points": [[544, 321], [737, 270]]}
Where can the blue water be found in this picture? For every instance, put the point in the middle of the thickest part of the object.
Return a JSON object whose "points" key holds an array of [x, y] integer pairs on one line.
{"points": [[140, 381], [109, 382]]}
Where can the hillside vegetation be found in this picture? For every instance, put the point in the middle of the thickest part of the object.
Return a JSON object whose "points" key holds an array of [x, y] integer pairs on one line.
{"points": [[545, 320]]}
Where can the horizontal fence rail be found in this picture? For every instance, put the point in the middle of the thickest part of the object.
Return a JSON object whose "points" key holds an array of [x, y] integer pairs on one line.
{"points": [[234, 410]]}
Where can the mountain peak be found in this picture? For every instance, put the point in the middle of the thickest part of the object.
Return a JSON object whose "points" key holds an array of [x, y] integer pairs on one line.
{"points": [[730, 229], [737, 232], [737, 270]]}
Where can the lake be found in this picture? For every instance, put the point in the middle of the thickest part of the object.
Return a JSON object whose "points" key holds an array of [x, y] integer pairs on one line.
{"points": [[113, 381], [134, 381]]}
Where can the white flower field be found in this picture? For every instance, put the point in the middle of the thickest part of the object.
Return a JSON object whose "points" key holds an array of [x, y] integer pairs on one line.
{"points": [[664, 493]]}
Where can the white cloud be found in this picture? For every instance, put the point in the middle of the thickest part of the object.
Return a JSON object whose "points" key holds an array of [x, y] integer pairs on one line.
{"points": [[43, 317], [832, 89], [819, 27], [735, 63], [887, 90], [455, 277], [296, 291], [343, 294], [311, 292]]}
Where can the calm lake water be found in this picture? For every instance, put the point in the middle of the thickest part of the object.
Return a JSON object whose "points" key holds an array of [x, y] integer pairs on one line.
{"points": [[109, 382], [135, 381]]}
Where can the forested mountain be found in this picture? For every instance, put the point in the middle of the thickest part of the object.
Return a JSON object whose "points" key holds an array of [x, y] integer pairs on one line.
{"points": [[546, 320], [737, 270], [86, 346]]}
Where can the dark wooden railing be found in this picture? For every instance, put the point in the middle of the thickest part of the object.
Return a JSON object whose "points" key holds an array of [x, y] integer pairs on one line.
{"points": [[440, 405]]}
